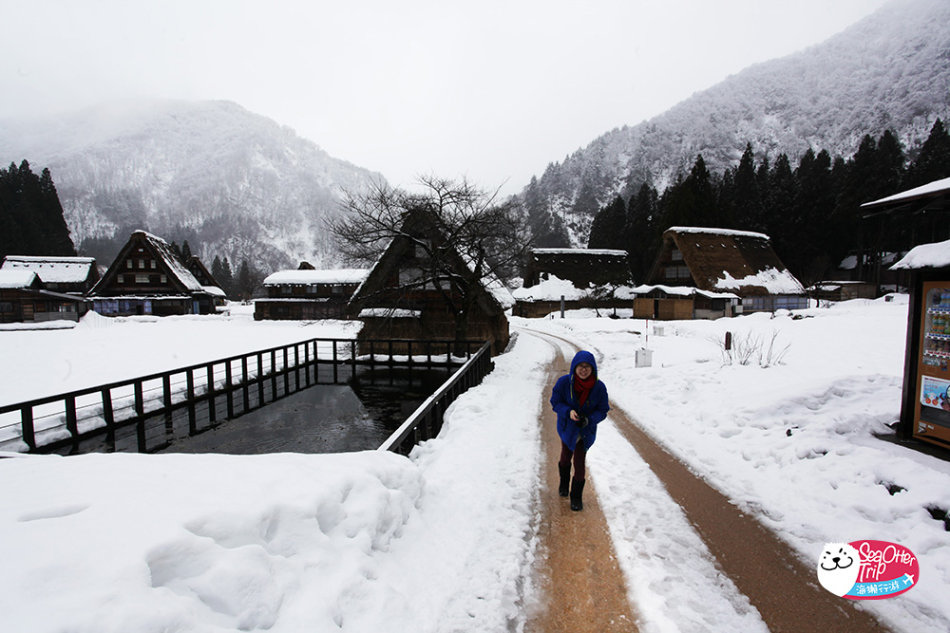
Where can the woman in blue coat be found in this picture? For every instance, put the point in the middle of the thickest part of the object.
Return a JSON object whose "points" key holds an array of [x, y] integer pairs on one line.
{"points": [[580, 401]]}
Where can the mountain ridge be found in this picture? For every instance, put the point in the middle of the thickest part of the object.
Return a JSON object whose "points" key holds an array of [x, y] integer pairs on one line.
{"points": [[237, 183], [889, 70]]}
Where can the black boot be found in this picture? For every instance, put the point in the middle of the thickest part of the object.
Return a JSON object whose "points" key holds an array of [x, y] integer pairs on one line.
{"points": [[577, 491], [564, 470]]}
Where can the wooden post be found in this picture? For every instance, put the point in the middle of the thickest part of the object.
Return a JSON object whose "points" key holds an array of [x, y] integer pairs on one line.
{"points": [[192, 417], [728, 343], [167, 404], [212, 414], [306, 361], [26, 425], [260, 379], [273, 374], [244, 383], [296, 367], [227, 388], [70, 405], [336, 378], [286, 375], [109, 417]]}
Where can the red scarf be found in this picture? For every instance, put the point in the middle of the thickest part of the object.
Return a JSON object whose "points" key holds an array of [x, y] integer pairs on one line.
{"points": [[582, 387]]}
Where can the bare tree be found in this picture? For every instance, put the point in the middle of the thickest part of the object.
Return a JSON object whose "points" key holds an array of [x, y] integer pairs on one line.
{"points": [[464, 239]]}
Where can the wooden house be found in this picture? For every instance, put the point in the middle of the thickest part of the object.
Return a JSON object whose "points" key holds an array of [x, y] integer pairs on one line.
{"points": [[721, 262], [842, 290], [218, 297], [71, 275], [24, 298], [578, 277], [307, 294], [399, 300], [147, 277]]}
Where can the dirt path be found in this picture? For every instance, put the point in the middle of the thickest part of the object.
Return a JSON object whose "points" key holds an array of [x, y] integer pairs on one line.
{"points": [[783, 589], [579, 576]]}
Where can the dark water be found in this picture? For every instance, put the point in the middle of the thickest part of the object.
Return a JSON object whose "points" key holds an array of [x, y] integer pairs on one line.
{"points": [[356, 416]]}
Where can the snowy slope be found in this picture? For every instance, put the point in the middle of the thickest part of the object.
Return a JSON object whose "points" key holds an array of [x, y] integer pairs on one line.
{"points": [[237, 184]]}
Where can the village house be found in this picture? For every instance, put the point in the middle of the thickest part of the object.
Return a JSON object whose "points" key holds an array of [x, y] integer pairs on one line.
{"points": [[307, 294], [72, 275], [25, 298], [578, 277], [147, 277], [398, 300], [709, 273]]}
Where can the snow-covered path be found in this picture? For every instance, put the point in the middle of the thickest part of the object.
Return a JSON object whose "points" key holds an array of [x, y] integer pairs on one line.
{"points": [[446, 539]]}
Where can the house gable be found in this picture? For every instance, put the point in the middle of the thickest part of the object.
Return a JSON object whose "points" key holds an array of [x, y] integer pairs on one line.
{"points": [[147, 266], [722, 260]]}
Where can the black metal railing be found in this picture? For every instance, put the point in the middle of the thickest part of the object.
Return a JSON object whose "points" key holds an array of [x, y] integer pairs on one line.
{"points": [[206, 392], [426, 421]]}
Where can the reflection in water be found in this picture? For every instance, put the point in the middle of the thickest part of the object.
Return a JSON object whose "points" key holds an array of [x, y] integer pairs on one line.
{"points": [[324, 418]]}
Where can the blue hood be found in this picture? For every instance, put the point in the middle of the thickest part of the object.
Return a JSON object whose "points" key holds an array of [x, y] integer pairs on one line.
{"points": [[584, 356]]}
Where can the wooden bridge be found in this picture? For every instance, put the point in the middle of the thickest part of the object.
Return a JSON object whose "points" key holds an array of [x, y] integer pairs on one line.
{"points": [[145, 414]]}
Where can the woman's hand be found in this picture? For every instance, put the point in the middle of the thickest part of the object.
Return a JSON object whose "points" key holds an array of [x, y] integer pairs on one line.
{"points": [[574, 416]]}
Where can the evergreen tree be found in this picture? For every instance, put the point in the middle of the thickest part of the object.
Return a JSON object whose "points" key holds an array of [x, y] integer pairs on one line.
{"points": [[607, 229], [747, 202], [185, 252], [642, 235], [216, 269], [227, 278], [245, 282], [31, 216], [933, 162]]}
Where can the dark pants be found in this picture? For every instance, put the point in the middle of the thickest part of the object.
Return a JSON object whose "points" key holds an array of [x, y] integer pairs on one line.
{"points": [[579, 455]]}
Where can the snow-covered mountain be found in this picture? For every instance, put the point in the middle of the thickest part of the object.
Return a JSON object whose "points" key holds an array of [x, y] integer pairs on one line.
{"points": [[231, 182], [888, 71]]}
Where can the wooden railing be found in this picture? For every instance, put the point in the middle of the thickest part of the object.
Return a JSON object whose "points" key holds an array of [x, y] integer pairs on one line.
{"points": [[221, 389], [426, 421]]}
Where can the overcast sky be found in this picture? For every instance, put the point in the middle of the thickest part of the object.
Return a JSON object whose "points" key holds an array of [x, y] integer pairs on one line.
{"points": [[489, 90]]}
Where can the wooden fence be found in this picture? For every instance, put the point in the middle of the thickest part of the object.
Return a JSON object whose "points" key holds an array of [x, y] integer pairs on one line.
{"points": [[113, 416], [426, 422]]}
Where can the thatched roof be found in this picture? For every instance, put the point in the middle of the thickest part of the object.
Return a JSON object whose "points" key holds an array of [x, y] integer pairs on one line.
{"points": [[722, 260], [581, 266]]}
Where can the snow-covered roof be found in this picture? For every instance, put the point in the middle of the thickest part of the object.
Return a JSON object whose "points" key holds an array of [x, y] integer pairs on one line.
{"points": [[579, 251], [937, 186], [684, 291], [551, 289], [307, 277], [164, 250], [711, 231], [57, 270], [776, 282], [214, 290], [936, 255], [389, 313], [12, 279]]}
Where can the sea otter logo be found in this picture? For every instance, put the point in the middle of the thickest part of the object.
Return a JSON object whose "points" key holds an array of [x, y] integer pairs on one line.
{"points": [[867, 570], [838, 568]]}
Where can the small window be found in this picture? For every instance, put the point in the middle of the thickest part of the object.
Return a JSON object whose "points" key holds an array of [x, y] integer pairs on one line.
{"points": [[164, 279], [676, 255], [141, 264], [129, 264], [151, 264], [141, 279], [6, 306]]}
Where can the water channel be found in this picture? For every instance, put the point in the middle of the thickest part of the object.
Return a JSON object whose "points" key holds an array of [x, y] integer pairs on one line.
{"points": [[347, 409]]}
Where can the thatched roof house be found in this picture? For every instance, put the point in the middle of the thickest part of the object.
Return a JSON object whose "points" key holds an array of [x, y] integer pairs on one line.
{"points": [[148, 278], [581, 277], [307, 293], [727, 261], [400, 300], [73, 275]]}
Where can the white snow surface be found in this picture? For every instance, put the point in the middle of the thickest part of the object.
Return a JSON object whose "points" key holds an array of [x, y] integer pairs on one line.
{"points": [[445, 540], [773, 280], [337, 276], [936, 255], [13, 279], [714, 231], [931, 187], [62, 270]]}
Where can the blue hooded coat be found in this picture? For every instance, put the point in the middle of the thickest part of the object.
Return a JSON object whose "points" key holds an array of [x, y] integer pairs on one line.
{"points": [[564, 399]]}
